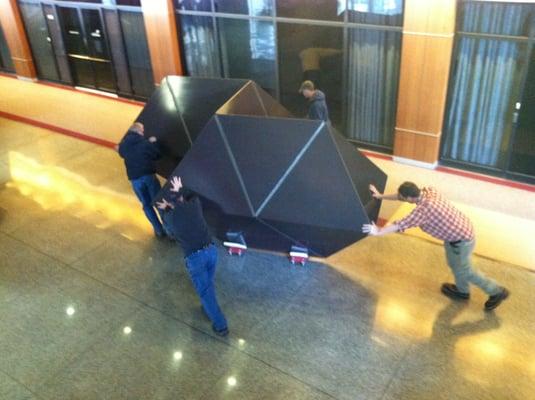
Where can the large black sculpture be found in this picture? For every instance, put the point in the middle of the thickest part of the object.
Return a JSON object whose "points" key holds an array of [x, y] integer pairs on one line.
{"points": [[279, 180]]}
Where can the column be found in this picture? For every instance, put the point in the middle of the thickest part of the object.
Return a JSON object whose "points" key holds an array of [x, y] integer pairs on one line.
{"points": [[164, 46], [428, 32], [11, 22]]}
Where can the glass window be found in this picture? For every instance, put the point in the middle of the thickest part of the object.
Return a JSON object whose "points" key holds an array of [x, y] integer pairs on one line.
{"points": [[135, 3], [249, 7], [40, 42], [5, 56], [523, 149], [74, 36], [314, 53], [137, 52], [375, 12], [248, 51], [496, 18], [332, 10], [200, 46], [373, 59], [485, 87], [195, 5]]}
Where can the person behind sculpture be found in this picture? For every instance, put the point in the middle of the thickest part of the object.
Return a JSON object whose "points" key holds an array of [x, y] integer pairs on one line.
{"points": [[189, 228], [139, 155], [317, 107], [436, 216]]}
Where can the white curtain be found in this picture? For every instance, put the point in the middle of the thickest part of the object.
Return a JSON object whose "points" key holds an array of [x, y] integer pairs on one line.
{"points": [[486, 84]]}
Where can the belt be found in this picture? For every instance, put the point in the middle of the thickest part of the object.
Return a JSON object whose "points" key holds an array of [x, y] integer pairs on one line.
{"points": [[457, 242]]}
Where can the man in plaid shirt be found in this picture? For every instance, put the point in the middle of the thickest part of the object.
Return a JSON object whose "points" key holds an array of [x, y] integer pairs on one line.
{"points": [[437, 217]]}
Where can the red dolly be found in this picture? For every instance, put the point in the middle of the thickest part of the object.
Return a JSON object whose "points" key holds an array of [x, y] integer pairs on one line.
{"points": [[235, 243], [298, 255]]}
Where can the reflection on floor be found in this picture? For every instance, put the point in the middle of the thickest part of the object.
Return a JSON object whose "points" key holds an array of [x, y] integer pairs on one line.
{"points": [[94, 307]]}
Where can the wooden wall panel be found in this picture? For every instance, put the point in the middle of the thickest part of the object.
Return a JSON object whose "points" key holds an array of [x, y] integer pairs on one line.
{"points": [[425, 63], [416, 146], [11, 22], [423, 82], [161, 29], [429, 16]]}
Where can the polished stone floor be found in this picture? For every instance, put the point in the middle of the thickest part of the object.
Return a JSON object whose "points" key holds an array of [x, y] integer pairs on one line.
{"points": [[93, 307]]}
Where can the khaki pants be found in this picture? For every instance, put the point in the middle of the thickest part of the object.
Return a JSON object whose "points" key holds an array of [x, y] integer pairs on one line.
{"points": [[458, 257]]}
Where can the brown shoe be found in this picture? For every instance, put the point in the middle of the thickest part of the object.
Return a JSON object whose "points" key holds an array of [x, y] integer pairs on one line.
{"points": [[495, 301], [450, 290]]}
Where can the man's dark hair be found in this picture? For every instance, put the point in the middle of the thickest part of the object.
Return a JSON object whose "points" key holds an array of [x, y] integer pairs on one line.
{"points": [[408, 189]]}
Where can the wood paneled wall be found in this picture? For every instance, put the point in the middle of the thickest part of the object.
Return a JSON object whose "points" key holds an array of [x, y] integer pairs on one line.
{"points": [[428, 33], [162, 37], [11, 22]]}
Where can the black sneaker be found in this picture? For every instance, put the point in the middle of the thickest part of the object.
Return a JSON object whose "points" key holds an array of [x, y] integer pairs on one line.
{"points": [[450, 290], [220, 332], [494, 301]]}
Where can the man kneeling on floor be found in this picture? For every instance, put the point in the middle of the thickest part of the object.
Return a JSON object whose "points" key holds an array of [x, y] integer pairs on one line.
{"points": [[189, 228], [436, 216]]}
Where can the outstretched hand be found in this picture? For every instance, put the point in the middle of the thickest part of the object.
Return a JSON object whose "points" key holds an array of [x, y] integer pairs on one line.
{"points": [[370, 229], [375, 192], [176, 184], [162, 205]]}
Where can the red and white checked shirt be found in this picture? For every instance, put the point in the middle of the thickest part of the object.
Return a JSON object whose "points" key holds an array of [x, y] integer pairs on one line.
{"points": [[437, 216]]}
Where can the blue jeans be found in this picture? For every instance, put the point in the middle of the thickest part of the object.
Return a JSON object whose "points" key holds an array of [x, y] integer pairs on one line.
{"points": [[146, 188], [201, 268], [459, 261]]}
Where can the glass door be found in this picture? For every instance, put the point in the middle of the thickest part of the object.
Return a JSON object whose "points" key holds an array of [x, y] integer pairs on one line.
{"points": [[522, 155], [487, 127], [40, 40], [87, 49]]}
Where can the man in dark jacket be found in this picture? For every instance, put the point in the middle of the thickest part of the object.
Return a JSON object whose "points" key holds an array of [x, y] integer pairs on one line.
{"points": [[187, 224], [317, 108], [139, 155]]}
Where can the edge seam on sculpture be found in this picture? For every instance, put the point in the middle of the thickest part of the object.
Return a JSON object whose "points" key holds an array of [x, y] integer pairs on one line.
{"points": [[234, 163], [346, 170], [178, 110], [289, 170], [260, 100]]}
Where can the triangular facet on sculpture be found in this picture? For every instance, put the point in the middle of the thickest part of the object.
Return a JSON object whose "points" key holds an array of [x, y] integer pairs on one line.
{"points": [[363, 172], [208, 169], [252, 100], [280, 140]]}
